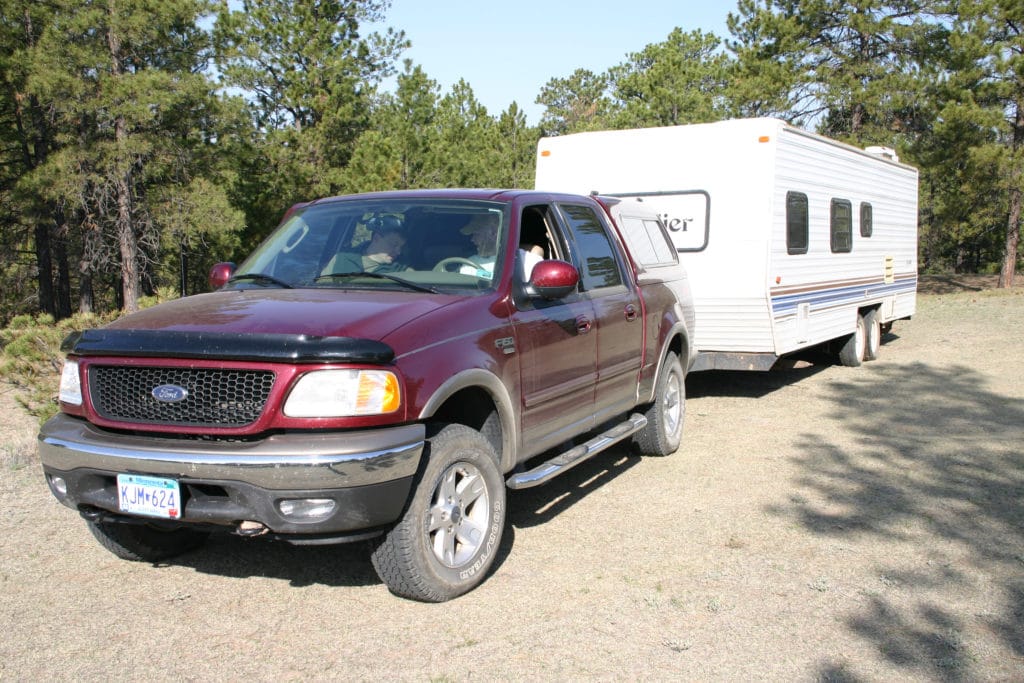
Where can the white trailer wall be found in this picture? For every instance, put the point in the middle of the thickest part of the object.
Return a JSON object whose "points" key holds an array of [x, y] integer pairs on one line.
{"points": [[750, 295], [815, 296]]}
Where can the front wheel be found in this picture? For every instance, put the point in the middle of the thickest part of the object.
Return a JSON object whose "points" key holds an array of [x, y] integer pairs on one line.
{"points": [[447, 538], [144, 543], [664, 430]]}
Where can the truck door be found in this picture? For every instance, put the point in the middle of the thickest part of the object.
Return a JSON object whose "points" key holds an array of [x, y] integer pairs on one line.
{"points": [[557, 346], [617, 309]]}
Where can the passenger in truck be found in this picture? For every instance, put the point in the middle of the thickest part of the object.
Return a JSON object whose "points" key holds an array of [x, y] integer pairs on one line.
{"points": [[483, 231]]}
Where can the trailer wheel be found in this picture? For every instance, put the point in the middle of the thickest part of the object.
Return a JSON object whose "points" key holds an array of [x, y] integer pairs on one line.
{"points": [[851, 354], [448, 537], [873, 335], [664, 430]]}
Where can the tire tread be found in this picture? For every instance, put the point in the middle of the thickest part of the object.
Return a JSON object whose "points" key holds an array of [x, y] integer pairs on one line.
{"points": [[398, 556]]}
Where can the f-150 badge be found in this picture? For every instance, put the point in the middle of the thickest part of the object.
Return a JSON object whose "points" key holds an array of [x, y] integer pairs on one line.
{"points": [[506, 344]]}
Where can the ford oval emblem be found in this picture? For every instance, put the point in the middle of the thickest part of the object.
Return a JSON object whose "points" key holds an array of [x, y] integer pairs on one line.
{"points": [[170, 393]]}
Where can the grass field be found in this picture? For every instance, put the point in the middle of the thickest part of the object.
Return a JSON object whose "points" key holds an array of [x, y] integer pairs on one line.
{"points": [[818, 523]]}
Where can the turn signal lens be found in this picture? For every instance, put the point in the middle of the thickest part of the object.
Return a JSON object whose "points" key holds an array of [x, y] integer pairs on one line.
{"points": [[344, 393]]}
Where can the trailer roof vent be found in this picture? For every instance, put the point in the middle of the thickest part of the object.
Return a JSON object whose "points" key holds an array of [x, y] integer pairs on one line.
{"points": [[884, 152]]}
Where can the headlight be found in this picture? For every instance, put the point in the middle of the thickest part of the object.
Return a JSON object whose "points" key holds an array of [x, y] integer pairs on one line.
{"points": [[344, 393], [70, 386]]}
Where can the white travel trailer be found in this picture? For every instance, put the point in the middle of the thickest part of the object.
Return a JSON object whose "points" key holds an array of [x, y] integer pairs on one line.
{"points": [[791, 239]]}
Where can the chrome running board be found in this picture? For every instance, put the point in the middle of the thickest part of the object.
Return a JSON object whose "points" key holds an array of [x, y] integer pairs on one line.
{"points": [[548, 470]]}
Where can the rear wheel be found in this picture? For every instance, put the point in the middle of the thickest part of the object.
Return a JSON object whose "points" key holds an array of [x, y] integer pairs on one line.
{"points": [[873, 335], [144, 543], [664, 430], [447, 538], [852, 352]]}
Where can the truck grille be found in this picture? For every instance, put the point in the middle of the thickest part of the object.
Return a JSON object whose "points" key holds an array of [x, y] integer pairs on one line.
{"points": [[211, 397]]}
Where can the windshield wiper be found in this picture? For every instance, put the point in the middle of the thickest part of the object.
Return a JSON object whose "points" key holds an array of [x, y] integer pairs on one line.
{"points": [[261, 277], [382, 276]]}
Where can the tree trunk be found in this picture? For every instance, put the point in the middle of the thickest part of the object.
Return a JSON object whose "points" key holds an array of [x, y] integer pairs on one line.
{"points": [[60, 252], [1006, 272], [44, 261], [127, 242], [86, 297], [35, 145]]}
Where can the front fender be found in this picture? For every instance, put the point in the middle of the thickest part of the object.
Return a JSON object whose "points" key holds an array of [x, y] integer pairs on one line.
{"points": [[475, 378]]}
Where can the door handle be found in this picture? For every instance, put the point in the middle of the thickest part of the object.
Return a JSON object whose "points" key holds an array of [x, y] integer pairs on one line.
{"points": [[582, 324], [631, 312]]}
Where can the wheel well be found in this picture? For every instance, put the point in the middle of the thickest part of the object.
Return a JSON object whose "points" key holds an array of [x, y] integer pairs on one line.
{"points": [[474, 408], [678, 344]]}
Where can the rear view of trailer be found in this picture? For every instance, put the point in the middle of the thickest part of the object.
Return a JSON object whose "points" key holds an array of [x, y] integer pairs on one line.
{"points": [[791, 240]]}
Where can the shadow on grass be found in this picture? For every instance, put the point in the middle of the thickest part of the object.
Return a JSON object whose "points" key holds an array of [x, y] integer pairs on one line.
{"points": [[345, 564], [538, 505], [938, 459]]}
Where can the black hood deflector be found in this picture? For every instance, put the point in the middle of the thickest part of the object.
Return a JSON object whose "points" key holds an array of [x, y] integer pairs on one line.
{"points": [[293, 348]]}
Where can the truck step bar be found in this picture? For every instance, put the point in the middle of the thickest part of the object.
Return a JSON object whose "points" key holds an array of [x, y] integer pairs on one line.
{"points": [[563, 462]]}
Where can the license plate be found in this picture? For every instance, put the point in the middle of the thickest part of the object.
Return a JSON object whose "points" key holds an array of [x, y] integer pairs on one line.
{"points": [[149, 496]]}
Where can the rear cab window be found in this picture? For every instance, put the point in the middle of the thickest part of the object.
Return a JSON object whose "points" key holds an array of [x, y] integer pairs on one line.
{"points": [[648, 241], [599, 265]]}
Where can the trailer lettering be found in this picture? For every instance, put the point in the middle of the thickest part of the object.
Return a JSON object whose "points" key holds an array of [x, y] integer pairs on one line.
{"points": [[676, 224]]}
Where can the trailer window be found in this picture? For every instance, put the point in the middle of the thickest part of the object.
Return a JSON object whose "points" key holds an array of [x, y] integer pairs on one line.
{"points": [[842, 226], [796, 223], [866, 225]]}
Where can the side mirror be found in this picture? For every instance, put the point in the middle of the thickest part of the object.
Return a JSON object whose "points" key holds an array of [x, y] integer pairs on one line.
{"points": [[554, 279], [220, 274]]}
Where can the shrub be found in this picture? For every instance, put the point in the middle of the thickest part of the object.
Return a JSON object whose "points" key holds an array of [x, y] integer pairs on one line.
{"points": [[31, 358]]}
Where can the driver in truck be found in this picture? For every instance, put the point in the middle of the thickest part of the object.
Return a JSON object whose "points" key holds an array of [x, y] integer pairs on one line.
{"points": [[381, 253]]}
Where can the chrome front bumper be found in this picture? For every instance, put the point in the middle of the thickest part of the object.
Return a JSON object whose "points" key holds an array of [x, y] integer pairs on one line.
{"points": [[306, 460], [367, 473]]}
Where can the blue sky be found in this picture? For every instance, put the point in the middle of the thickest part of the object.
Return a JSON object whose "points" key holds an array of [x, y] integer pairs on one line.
{"points": [[507, 52]]}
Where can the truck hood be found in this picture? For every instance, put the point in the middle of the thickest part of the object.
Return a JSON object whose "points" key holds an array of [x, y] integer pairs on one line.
{"points": [[315, 313]]}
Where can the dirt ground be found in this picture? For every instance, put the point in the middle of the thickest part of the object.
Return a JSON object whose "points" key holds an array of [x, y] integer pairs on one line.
{"points": [[818, 523]]}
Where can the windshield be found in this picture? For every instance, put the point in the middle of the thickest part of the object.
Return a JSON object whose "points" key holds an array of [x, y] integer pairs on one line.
{"points": [[428, 245]]}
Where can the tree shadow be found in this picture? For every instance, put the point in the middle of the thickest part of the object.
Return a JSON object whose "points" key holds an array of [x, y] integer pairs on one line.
{"points": [[936, 456], [949, 284]]}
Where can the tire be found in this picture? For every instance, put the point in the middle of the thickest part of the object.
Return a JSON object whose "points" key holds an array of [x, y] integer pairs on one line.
{"points": [[447, 538], [664, 430], [873, 335], [851, 354], [144, 543]]}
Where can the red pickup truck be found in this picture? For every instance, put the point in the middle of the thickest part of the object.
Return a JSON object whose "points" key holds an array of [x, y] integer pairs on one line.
{"points": [[381, 368]]}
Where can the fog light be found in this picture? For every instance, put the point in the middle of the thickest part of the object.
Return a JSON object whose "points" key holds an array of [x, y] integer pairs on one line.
{"points": [[306, 508], [58, 486]]}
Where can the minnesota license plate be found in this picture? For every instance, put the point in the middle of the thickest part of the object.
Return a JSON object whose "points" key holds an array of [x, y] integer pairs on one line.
{"points": [[149, 496]]}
